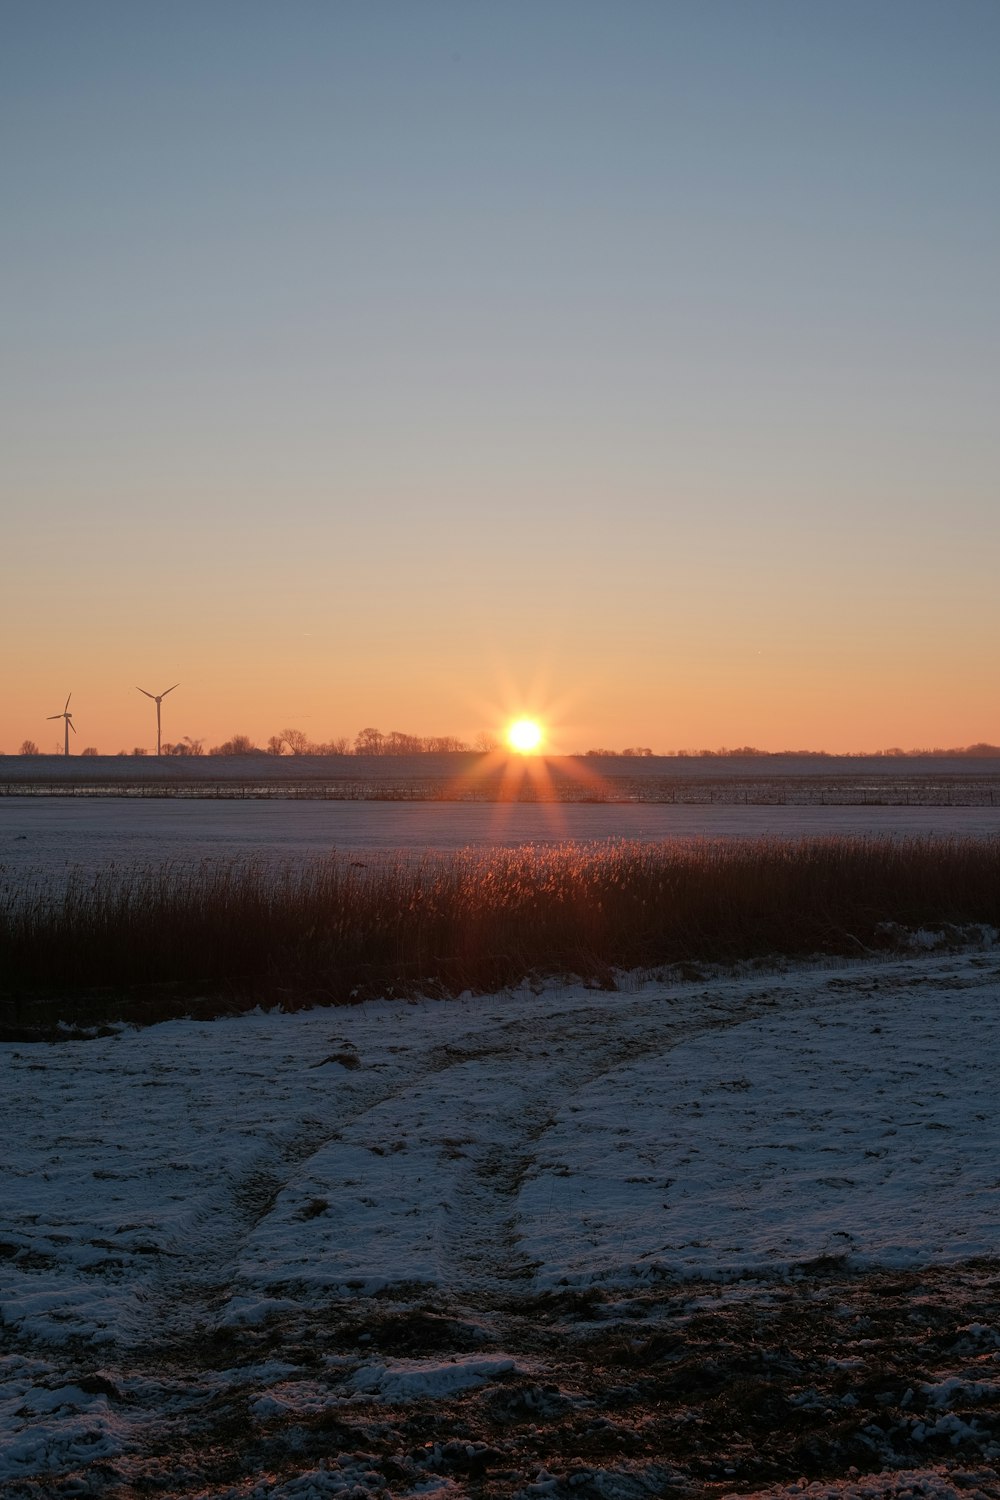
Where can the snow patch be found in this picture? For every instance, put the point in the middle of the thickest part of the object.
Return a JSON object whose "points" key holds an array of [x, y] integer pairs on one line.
{"points": [[424, 1379]]}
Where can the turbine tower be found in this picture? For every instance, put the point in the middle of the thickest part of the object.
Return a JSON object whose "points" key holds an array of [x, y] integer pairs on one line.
{"points": [[157, 699], [68, 718]]}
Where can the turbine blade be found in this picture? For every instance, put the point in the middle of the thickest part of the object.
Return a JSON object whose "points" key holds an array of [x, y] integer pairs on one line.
{"points": [[69, 721], [53, 716], [148, 695], [67, 701], [170, 690]]}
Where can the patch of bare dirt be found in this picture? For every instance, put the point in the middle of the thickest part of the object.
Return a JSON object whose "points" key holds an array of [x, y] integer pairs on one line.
{"points": [[690, 1389]]}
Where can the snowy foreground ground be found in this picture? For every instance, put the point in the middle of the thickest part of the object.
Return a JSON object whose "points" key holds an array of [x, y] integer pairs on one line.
{"points": [[700, 1236]]}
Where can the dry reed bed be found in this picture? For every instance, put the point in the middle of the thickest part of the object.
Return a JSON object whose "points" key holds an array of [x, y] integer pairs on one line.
{"points": [[338, 930]]}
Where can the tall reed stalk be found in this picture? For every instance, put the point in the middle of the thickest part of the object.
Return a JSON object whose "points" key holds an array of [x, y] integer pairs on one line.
{"points": [[336, 929]]}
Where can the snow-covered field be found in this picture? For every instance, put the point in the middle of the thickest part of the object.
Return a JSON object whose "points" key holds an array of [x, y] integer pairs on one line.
{"points": [[47, 836], [539, 1243]]}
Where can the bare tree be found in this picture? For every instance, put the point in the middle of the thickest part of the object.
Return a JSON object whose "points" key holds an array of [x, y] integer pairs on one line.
{"points": [[296, 740], [339, 746], [369, 742], [28, 747], [240, 744], [90, 750], [443, 744], [398, 743]]}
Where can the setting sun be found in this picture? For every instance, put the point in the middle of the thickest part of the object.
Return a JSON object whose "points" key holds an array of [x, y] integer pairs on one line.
{"points": [[524, 735]]}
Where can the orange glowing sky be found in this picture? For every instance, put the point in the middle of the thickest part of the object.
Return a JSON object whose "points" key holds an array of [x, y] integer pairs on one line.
{"points": [[419, 367]]}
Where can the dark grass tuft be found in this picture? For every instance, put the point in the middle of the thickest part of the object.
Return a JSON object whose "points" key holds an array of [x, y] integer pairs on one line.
{"points": [[335, 931]]}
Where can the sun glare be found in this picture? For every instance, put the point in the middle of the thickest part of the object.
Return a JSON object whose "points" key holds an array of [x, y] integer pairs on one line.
{"points": [[524, 736]]}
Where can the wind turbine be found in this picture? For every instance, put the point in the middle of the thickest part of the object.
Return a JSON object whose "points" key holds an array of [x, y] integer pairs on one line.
{"points": [[157, 699], [69, 721]]}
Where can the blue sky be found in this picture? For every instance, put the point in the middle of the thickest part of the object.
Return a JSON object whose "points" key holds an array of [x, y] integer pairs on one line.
{"points": [[403, 363]]}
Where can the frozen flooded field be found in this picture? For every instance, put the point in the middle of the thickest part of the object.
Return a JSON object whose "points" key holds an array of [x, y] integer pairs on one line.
{"points": [[810, 780], [690, 1238], [47, 836]]}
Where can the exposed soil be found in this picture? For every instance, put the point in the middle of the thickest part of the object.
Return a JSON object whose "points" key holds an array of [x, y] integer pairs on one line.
{"points": [[695, 1389]]}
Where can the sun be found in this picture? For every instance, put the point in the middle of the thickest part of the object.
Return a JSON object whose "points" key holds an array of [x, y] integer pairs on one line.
{"points": [[524, 736]]}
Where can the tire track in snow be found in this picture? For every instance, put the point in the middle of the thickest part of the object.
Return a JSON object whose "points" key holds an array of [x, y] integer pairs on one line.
{"points": [[538, 1062], [553, 1064], [545, 1059], [482, 1244], [190, 1289]]}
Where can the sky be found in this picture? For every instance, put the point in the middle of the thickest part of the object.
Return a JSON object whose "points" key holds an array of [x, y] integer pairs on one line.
{"points": [[418, 363]]}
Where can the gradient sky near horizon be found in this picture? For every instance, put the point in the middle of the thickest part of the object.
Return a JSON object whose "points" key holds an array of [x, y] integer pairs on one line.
{"points": [[415, 363]]}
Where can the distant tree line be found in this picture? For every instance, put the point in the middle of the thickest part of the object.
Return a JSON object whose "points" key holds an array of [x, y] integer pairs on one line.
{"points": [[748, 752], [368, 741], [631, 754], [374, 742], [981, 750], [371, 741]]}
